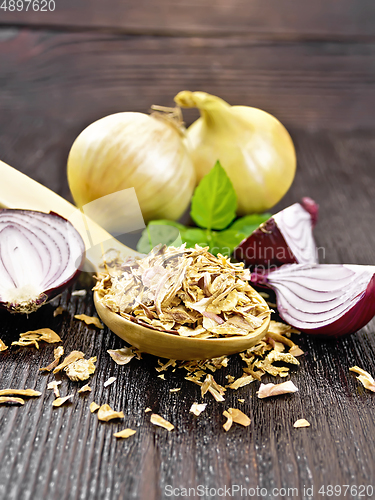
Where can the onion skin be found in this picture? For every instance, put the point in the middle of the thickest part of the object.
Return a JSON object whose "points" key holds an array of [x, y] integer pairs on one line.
{"points": [[352, 320], [133, 150], [266, 247], [67, 232], [310, 206], [255, 250], [253, 147]]}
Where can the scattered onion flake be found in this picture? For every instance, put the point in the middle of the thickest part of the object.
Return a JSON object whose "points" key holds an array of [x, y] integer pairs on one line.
{"points": [[57, 353], [161, 422], [245, 379], [34, 336], [79, 293], [122, 356], [89, 320], [20, 392], [106, 413], [9, 399], [80, 369], [59, 310], [71, 358], [268, 390], [61, 401], [213, 388], [85, 388], [229, 422], [237, 416], [301, 423], [364, 377], [177, 389], [94, 406], [124, 434], [109, 381], [54, 386], [197, 408], [3, 347], [296, 351], [164, 366], [41, 256]]}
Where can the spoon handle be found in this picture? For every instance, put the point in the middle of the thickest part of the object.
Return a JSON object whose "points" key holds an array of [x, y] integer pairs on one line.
{"points": [[17, 190]]}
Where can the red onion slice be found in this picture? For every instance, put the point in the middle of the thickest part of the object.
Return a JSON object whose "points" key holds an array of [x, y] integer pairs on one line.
{"points": [[326, 300], [286, 238], [40, 255]]}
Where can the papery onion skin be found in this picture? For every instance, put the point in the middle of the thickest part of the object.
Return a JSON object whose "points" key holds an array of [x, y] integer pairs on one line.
{"points": [[276, 242], [25, 221], [361, 308], [126, 150], [253, 147]]}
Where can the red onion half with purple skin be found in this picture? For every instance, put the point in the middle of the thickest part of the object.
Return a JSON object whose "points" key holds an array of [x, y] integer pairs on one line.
{"points": [[323, 299], [40, 255], [285, 238]]}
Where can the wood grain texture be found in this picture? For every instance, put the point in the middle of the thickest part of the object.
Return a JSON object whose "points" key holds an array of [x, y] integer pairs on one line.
{"points": [[312, 66], [54, 84], [291, 18], [65, 453]]}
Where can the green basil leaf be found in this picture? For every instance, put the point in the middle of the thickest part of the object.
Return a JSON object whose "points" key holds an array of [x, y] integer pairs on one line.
{"points": [[193, 235], [225, 242], [214, 202], [246, 225], [160, 231]]}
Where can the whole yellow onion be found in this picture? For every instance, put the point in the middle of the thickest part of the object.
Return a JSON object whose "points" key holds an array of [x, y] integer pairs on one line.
{"points": [[252, 146], [127, 150]]}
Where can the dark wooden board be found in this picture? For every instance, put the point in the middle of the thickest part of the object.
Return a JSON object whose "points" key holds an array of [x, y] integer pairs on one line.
{"points": [[290, 18], [65, 453], [55, 84]]}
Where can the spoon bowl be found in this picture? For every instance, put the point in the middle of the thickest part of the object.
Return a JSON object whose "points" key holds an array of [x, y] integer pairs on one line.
{"points": [[168, 345], [20, 191]]}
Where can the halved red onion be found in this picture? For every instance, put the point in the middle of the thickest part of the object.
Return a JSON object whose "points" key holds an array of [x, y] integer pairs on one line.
{"points": [[40, 255], [285, 238], [323, 299]]}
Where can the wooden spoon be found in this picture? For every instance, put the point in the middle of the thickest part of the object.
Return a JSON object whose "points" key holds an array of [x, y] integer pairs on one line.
{"points": [[17, 190]]}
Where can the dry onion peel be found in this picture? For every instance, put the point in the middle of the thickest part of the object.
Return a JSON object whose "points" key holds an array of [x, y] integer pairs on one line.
{"points": [[125, 433], [268, 390], [106, 413], [10, 399], [302, 422], [364, 377], [60, 401], [20, 392], [40, 256], [3, 347], [253, 147], [161, 422]]}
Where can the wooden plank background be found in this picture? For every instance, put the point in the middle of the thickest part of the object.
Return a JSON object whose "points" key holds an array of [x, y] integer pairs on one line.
{"points": [[333, 18], [310, 64]]}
